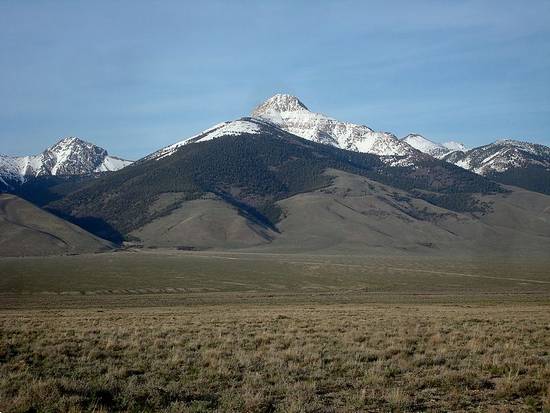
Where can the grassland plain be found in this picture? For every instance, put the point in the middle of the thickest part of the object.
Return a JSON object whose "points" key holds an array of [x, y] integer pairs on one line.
{"points": [[172, 331], [306, 358], [170, 271]]}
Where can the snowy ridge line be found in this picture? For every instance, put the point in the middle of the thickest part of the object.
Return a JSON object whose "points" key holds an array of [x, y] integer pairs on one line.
{"points": [[169, 150], [291, 115], [243, 126], [426, 145], [500, 156]]}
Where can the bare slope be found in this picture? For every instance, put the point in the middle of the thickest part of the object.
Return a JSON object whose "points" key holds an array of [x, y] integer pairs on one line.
{"points": [[356, 214], [204, 223], [28, 230]]}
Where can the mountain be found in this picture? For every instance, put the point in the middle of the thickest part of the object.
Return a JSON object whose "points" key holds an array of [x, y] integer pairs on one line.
{"points": [[501, 156], [254, 183], [508, 161], [28, 230], [9, 171], [512, 162], [437, 150], [290, 114], [455, 146], [425, 145], [69, 156], [250, 184]]}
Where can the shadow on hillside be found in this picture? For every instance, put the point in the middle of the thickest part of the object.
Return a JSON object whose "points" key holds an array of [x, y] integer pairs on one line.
{"points": [[94, 225]]}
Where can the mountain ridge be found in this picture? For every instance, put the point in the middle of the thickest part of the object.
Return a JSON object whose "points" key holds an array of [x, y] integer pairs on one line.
{"points": [[254, 182], [508, 161], [425, 145], [501, 155], [250, 183], [251, 169], [290, 114]]}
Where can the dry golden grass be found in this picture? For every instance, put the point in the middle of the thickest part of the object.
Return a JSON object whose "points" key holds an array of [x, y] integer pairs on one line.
{"points": [[252, 358]]}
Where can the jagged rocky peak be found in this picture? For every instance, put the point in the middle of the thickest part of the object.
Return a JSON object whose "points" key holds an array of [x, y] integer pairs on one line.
{"points": [[280, 102], [500, 156], [72, 143], [70, 140], [73, 147], [69, 156], [290, 114]]}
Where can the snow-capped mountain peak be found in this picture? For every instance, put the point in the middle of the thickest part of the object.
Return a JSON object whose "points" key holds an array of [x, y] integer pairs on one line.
{"points": [[435, 149], [291, 115], [425, 145], [71, 156], [281, 103], [500, 156], [68, 156], [68, 141], [455, 146]]}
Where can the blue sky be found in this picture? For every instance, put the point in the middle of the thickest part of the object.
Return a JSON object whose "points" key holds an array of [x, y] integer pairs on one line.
{"points": [[135, 76]]}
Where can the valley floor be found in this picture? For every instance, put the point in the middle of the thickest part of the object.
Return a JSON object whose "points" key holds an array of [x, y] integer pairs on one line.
{"points": [[174, 331]]}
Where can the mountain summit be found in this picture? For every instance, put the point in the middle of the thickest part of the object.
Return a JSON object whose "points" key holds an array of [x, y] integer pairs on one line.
{"points": [[291, 115], [435, 149], [280, 103], [69, 156]]}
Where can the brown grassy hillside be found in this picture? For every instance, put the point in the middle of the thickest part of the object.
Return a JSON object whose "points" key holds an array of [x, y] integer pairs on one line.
{"points": [[28, 230]]}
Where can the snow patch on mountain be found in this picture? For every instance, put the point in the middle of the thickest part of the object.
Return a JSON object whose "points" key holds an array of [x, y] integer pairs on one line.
{"points": [[235, 128], [112, 163]]}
